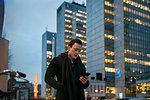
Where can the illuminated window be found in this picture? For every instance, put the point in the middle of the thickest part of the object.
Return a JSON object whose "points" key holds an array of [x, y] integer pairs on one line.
{"points": [[148, 55], [144, 63], [80, 15], [68, 31], [49, 56], [109, 36], [82, 56], [67, 41], [79, 20], [138, 21], [142, 22], [80, 35], [135, 4], [109, 12], [66, 45], [136, 12], [109, 4], [83, 51], [48, 63], [49, 53], [126, 18], [143, 88], [69, 16], [69, 26], [126, 51], [67, 20], [68, 36], [69, 11], [83, 46], [84, 61], [109, 20], [111, 53], [110, 88], [82, 12], [85, 66], [108, 69], [84, 26], [49, 42], [109, 61], [129, 60], [80, 30], [83, 41]]}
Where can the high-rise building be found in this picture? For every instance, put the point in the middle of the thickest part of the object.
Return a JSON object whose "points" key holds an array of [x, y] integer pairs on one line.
{"points": [[48, 52], [71, 24], [118, 36]]}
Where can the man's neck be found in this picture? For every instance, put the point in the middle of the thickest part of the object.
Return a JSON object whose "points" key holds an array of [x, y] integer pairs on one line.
{"points": [[70, 58]]}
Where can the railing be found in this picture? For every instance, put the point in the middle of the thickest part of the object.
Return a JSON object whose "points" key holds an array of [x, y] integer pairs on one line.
{"points": [[12, 74]]}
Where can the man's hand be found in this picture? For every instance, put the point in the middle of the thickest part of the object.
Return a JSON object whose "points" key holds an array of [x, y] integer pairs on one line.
{"points": [[83, 79]]}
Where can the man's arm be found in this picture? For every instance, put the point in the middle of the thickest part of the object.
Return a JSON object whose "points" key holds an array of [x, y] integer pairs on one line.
{"points": [[84, 79], [50, 74]]}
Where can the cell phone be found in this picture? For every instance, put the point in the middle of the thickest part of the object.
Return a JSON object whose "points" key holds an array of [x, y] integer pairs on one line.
{"points": [[87, 74]]}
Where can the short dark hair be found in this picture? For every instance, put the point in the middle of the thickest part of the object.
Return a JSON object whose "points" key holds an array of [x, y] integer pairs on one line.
{"points": [[72, 42]]}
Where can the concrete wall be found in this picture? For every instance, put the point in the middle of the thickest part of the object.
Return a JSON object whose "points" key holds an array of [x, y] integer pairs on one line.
{"points": [[3, 63], [119, 47]]}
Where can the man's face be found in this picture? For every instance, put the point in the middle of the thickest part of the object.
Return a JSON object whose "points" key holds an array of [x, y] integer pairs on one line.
{"points": [[74, 51]]}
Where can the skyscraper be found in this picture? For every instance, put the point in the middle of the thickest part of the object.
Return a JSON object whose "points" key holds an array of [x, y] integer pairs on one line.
{"points": [[48, 52], [118, 36], [71, 24]]}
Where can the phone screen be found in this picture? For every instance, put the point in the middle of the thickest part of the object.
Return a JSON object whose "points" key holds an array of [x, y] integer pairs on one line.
{"points": [[87, 74]]}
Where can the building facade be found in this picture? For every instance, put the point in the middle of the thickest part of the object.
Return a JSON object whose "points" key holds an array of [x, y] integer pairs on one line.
{"points": [[96, 89], [143, 88], [21, 90], [118, 36], [48, 52], [71, 24], [4, 49]]}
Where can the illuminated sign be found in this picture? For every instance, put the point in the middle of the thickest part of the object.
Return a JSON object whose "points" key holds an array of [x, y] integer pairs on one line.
{"points": [[120, 95], [118, 73]]}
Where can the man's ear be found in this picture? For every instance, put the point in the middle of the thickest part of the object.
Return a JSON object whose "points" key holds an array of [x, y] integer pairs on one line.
{"points": [[69, 48]]}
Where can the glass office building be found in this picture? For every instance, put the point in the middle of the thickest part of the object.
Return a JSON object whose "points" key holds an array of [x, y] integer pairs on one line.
{"points": [[118, 36], [48, 52], [71, 24], [143, 88]]}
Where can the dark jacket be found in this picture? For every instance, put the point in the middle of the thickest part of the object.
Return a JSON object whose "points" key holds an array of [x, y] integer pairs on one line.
{"points": [[61, 68]]}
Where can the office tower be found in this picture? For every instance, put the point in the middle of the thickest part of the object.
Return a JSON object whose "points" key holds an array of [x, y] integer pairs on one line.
{"points": [[48, 52], [118, 36], [71, 24]]}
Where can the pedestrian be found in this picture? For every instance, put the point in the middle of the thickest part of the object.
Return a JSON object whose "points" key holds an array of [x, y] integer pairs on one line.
{"points": [[70, 72]]}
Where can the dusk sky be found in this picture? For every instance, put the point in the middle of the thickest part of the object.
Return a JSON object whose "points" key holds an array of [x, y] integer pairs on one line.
{"points": [[25, 22]]}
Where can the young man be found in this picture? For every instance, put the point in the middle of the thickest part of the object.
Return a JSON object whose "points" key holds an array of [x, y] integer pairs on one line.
{"points": [[70, 72]]}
